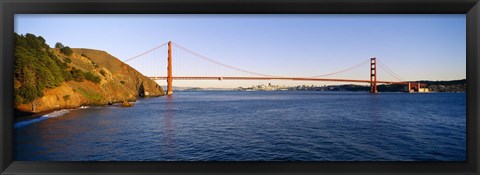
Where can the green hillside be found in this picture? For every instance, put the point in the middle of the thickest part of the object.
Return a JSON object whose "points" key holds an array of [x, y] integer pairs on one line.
{"points": [[54, 78]]}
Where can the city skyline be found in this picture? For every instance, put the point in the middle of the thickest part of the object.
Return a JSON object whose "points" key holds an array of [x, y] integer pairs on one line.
{"points": [[417, 47]]}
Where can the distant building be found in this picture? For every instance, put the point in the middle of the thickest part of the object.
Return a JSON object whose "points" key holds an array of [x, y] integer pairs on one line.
{"points": [[416, 87], [423, 90]]}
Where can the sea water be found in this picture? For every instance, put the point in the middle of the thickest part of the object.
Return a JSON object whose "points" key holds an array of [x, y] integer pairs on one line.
{"points": [[258, 125]]}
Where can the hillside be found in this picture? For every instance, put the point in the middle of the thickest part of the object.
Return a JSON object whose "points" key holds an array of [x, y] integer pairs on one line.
{"points": [[447, 86], [56, 78]]}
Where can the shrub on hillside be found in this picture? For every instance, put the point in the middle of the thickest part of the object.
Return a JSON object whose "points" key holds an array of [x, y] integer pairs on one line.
{"points": [[66, 97], [91, 77], [77, 75], [66, 50]]}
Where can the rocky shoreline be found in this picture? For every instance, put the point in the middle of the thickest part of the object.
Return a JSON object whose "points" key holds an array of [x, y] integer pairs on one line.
{"points": [[23, 115]]}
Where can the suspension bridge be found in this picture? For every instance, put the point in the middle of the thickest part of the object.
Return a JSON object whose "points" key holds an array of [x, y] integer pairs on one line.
{"points": [[150, 64]]}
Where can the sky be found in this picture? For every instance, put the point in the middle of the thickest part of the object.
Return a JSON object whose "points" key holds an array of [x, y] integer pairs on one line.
{"points": [[415, 47]]}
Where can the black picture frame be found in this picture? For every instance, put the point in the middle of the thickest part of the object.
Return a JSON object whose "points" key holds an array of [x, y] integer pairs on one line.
{"points": [[10, 7]]}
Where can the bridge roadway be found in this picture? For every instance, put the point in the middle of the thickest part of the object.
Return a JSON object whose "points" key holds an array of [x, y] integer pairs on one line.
{"points": [[277, 78]]}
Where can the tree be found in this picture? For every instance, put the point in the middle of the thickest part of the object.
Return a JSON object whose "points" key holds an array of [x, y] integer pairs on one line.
{"points": [[17, 99], [28, 93], [36, 103], [59, 45]]}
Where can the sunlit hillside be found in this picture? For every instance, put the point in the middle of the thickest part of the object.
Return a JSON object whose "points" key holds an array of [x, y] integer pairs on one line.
{"points": [[56, 78]]}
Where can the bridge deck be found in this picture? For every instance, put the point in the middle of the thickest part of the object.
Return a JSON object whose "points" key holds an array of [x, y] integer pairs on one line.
{"points": [[276, 78]]}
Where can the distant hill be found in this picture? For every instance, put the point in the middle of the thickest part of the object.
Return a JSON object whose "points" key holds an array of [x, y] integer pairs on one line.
{"points": [[435, 86], [450, 82], [56, 78], [447, 86]]}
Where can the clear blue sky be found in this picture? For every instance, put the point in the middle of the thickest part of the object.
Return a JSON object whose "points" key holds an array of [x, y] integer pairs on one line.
{"points": [[416, 47]]}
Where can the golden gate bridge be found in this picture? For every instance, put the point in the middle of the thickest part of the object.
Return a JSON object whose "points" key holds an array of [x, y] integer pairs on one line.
{"points": [[151, 68]]}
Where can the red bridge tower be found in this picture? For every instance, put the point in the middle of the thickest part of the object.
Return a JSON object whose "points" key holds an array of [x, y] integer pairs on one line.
{"points": [[373, 75], [169, 69]]}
